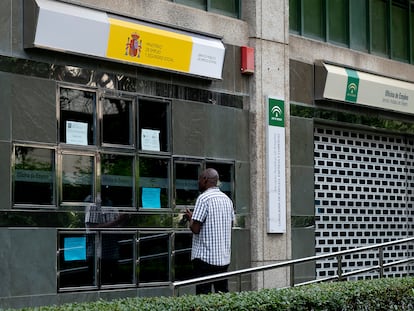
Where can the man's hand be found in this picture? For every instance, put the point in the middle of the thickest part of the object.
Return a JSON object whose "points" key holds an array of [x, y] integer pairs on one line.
{"points": [[195, 226], [188, 214]]}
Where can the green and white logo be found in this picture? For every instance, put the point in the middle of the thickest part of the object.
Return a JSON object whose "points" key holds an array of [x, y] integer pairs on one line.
{"points": [[276, 112], [352, 86]]}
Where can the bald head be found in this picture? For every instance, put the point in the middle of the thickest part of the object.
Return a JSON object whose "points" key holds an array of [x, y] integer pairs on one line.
{"points": [[208, 178]]}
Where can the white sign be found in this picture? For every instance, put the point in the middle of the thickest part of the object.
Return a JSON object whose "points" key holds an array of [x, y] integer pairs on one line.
{"points": [[77, 133], [150, 140], [369, 89], [276, 171]]}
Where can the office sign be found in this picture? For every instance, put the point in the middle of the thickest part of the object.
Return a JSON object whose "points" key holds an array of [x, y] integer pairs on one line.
{"points": [[276, 170], [84, 31], [367, 89]]}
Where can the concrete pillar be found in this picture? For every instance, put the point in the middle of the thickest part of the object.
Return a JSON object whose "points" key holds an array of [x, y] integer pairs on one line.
{"points": [[269, 35]]}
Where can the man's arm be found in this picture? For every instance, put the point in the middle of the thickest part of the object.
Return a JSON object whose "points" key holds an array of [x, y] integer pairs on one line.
{"points": [[195, 225]]}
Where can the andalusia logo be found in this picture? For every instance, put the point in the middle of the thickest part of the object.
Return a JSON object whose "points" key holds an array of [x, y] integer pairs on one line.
{"points": [[352, 86], [276, 112], [133, 46]]}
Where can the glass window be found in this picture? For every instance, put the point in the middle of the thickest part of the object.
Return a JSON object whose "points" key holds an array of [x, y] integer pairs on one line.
{"points": [[186, 183], [77, 260], [314, 19], [294, 15], [154, 125], [34, 176], [338, 21], [77, 116], [199, 4], [379, 27], [412, 33], [117, 121], [226, 173], [358, 25], [182, 256], [154, 182], [399, 30], [117, 258], [153, 250], [117, 180], [228, 7], [77, 178]]}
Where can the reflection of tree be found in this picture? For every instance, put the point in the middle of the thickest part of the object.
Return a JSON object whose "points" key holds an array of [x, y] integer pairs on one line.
{"points": [[113, 164], [24, 161], [78, 179], [77, 100]]}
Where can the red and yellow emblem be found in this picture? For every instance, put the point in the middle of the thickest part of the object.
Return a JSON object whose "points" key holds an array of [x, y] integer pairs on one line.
{"points": [[133, 46]]}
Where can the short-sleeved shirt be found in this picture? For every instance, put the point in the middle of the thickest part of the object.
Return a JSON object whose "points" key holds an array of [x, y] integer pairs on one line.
{"points": [[214, 210]]}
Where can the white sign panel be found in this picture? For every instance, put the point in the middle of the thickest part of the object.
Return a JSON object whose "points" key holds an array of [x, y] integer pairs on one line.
{"points": [[276, 170]]}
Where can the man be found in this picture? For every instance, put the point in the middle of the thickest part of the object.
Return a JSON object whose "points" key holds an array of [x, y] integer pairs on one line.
{"points": [[211, 223]]}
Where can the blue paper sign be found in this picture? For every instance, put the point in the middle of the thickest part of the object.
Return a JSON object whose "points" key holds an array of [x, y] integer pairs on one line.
{"points": [[74, 248], [151, 197]]}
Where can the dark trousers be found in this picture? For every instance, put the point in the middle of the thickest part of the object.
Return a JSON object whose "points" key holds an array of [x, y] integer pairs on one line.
{"points": [[201, 269]]}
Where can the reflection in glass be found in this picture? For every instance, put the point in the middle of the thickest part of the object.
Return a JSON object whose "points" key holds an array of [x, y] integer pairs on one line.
{"points": [[153, 182], [117, 185], [186, 183], [225, 171], [182, 261], [230, 8], [117, 258], [77, 178], [399, 31], [77, 110], [200, 4], [77, 260], [153, 257], [117, 121], [34, 176], [153, 117]]}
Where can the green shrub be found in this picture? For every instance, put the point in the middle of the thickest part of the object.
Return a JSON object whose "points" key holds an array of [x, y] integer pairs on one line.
{"points": [[380, 294]]}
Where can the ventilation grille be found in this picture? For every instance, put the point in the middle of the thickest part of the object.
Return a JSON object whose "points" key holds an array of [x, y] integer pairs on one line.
{"points": [[363, 196]]}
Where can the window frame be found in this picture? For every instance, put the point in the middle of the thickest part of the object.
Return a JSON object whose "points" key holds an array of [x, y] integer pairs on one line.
{"points": [[138, 191], [95, 123], [168, 135], [206, 6], [77, 204], [132, 118], [54, 164], [190, 161], [368, 42]]}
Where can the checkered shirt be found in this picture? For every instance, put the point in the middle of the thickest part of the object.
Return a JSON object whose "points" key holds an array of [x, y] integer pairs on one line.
{"points": [[215, 211]]}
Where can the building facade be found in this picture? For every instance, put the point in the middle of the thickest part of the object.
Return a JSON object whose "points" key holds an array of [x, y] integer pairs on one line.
{"points": [[111, 109], [351, 163], [110, 112]]}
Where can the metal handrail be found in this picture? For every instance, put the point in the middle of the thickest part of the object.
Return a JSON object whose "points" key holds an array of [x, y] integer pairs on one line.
{"points": [[291, 263]]}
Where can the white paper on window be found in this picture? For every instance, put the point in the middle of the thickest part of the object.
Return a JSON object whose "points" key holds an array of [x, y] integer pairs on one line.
{"points": [[76, 133], [150, 140]]}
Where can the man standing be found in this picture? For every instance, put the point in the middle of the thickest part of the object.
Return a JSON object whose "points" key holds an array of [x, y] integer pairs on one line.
{"points": [[211, 223]]}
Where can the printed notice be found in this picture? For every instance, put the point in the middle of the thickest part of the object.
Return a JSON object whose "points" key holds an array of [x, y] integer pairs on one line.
{"points": [[74, 248], [151, 197], [150, 140], [76, 133]]}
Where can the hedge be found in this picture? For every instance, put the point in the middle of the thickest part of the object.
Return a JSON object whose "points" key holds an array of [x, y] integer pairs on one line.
{"points": [[379, 294]]}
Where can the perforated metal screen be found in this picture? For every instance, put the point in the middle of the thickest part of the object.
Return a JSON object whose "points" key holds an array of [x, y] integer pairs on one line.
{"points": [[363, 196]]}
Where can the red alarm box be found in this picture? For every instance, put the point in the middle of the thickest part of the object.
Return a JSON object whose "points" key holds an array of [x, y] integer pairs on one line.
{"points": [[247, 60]]}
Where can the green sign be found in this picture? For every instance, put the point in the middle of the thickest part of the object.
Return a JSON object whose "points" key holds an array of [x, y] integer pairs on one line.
{"points": [[352, 86], [276, 112]]}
